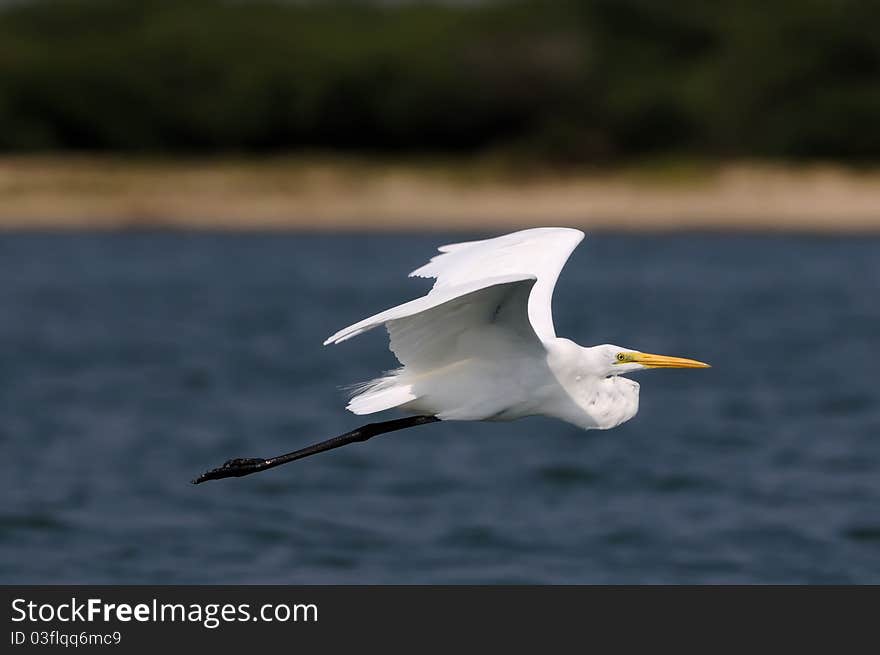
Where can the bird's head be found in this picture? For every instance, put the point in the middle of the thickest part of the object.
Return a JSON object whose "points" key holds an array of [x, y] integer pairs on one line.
{"points": [[616, 360]]}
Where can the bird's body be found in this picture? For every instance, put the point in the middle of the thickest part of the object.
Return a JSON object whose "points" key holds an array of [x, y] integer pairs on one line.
{"points": [[481, 344]]}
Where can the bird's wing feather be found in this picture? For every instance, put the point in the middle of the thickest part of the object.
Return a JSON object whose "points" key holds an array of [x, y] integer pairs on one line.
{"points": [[452, 344], [436, 298], [491, 321], [539, 252]]}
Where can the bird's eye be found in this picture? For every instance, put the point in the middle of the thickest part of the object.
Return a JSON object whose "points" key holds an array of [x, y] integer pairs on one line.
{"points": [[621, 357]]}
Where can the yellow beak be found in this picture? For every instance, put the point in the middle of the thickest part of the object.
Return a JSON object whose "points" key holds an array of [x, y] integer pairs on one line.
{"points": [[664, 361]]}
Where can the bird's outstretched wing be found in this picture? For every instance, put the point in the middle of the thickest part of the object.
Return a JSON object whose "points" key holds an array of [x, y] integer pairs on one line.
{"points": [[488, 312], [449, 298], [539, 252], [440, 338]]}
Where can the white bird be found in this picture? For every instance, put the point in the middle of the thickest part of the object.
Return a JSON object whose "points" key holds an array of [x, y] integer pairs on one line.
{"points": [[481, 346]]}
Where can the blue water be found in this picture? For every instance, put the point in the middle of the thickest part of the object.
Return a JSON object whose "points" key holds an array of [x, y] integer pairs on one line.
{"points": [[129, 363]]}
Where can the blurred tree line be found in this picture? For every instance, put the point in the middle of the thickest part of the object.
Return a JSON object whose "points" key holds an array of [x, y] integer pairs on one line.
{"points": [[559, 81]]}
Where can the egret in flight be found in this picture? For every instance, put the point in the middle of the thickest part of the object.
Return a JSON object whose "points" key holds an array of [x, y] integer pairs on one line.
{"points": [[480, 346]]}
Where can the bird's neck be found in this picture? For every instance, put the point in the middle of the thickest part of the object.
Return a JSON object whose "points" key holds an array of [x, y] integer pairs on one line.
{"points": [[591, 399]]}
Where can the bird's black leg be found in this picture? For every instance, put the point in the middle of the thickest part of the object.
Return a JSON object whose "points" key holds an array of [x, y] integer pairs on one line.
{"points": [[236, 468]]}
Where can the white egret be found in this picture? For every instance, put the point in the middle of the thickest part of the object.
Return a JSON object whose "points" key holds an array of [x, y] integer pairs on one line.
{"points": [[480, 346]]}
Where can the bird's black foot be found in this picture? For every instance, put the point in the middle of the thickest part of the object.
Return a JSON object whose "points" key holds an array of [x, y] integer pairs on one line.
{"points": [[233, 468]]}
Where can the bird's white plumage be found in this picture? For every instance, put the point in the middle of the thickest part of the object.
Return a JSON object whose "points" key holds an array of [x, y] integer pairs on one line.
{"points": [[481, 344], [445, 340], [435, 298], [540, 252]]}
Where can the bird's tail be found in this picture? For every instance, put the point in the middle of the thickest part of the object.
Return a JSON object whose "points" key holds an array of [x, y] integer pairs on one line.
{"points": [[380, 394]]}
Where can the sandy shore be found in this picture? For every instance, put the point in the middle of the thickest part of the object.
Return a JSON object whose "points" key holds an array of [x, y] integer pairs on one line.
{"points": [[322, 194]]}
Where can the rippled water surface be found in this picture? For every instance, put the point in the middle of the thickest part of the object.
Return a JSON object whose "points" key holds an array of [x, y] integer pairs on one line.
{"points": [[131, 362]]}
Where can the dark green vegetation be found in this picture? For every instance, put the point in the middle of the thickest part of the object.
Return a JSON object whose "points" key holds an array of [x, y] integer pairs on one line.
{"points": [[561, 81]]}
